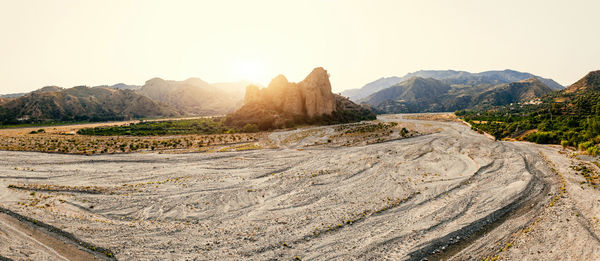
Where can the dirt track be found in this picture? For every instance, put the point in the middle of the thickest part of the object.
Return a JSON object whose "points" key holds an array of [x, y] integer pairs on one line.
{"points": [[449, 194]]}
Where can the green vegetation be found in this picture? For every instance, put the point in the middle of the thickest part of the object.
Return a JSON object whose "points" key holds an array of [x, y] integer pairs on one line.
{"points": [[170, 127], [367, 127], [591, 177], [37, 131], [40, 124], [265, 120], [574, 121], [217, 125]]}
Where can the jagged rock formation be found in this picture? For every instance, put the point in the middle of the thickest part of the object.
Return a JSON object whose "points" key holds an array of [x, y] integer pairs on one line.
{"points": [[310, 97], [316, 90], [283, 103]]}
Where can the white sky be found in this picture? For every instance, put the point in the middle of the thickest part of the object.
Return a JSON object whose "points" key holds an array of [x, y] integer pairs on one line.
{"points": [[80, 42]]}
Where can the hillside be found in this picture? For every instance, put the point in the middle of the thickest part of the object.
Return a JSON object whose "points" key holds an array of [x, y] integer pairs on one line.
{"points": [[195, 96], [80, 103], [431, 95], [413, 95], [503, 94], [589, 83], [450, 77], [570, 117], [286, 104]]}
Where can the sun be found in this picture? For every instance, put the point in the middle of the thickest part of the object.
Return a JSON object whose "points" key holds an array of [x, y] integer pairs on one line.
{"points": [[252, 71]]}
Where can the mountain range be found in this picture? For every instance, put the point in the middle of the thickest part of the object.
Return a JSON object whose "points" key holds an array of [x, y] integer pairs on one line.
{"points": [[80, 103], [431, 95], [195, 96], [421, 91], [449, 77], [156, 98]]}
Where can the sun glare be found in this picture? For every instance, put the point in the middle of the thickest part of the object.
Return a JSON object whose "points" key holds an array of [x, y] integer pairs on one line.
{"points": [[252, 71]]}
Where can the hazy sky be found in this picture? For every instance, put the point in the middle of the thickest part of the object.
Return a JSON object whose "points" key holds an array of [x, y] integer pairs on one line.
{"points": [[68, 43]]}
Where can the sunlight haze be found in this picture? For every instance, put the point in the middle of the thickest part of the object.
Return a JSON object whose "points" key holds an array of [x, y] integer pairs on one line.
{"points": [[69, 43]]}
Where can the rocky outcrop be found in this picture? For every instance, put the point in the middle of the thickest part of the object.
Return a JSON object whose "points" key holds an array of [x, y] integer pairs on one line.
{"points": [[283, 103], [252, 94], [310, 97], [316, 90]]}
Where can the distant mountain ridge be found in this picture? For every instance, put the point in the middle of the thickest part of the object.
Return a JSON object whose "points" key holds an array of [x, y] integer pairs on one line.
{"points": [[431, 95], [449, 77], [195, 96], [157, 97], [80, 103], [413, 95], [13, 95], [372, 87], [122, 86]]}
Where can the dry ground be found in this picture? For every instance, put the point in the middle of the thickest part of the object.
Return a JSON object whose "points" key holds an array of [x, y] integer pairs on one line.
{"points": [[361, 191]]}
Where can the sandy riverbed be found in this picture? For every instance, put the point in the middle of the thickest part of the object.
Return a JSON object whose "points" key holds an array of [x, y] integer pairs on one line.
{"points": [[446, 193]]}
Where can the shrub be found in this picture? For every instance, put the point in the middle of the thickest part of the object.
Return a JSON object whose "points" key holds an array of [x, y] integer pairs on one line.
{"points": [[543, 137], [37, 131], [585, 145], [593, 150], [403, 132]]}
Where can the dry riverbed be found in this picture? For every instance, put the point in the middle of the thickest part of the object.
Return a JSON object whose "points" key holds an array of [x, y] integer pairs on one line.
{"points": [[400, 188]]}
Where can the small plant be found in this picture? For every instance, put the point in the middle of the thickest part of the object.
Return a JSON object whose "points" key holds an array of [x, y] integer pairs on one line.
{"points": [[37, 131]]}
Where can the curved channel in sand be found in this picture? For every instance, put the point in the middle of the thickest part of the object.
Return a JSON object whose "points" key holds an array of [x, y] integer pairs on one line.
{"points": [[449, 194]]}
